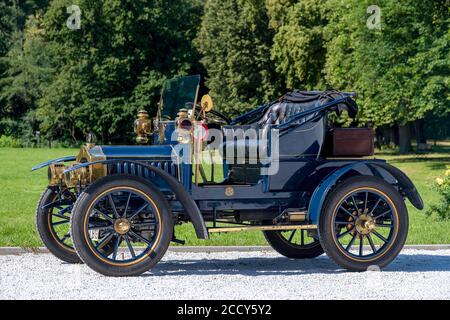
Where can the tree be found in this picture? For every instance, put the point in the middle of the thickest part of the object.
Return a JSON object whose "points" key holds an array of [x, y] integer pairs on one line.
{"points": [[298, 49], [235, 41], [401, 70], [30, 69], [113, 64], [23, 63], [7, 27]]}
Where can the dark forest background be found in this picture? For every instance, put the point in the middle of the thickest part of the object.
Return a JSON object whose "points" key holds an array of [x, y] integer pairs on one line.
{"points": [[58, 84]]}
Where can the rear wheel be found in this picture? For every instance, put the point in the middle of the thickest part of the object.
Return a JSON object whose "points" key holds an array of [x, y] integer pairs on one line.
{"points": [[295, 244], [364, 223], [53, 223], [121, 226]]}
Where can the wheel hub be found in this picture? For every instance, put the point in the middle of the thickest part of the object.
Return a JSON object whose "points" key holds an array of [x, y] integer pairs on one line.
{"points": [[122, 226], [365, 224]]}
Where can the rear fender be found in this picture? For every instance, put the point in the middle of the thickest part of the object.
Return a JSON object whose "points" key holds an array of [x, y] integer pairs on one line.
{"points": [[176, 187], [405, 186]]}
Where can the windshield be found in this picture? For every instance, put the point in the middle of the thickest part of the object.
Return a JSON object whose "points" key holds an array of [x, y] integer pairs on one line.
{"points": [[178, 93]]}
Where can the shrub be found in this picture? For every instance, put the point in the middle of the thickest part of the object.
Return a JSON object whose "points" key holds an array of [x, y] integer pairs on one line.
{"points": [[10, 142], [442, 185]]}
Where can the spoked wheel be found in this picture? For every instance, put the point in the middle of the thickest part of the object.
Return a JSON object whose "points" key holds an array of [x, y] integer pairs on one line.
{"points": [[364, 223], [53, 223], [296, 244], [121, 226]]}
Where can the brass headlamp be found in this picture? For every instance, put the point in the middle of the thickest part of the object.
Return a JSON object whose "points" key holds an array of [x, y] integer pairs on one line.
{"points": [[142, 127]]}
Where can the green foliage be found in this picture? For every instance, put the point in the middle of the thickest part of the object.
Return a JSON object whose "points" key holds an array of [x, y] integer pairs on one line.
{"points": [[400, 71], [9, 142], [66, 83], [71, 82], [31, 63], [298, 49], [115, 64], [442, 209], [235, 42]]}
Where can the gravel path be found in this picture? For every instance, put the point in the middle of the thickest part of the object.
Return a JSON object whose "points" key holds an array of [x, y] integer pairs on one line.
{"points": [[415, 274]]}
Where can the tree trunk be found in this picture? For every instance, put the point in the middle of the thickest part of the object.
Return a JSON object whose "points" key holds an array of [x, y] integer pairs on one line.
{"points": [[404, 141], [395, 134], [419, 126]]}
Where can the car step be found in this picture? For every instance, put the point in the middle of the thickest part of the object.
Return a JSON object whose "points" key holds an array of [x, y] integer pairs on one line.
{"points": [[254, 228]]}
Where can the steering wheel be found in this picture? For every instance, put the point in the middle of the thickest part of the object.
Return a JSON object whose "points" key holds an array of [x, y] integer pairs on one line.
{"points": [[214, 114]]}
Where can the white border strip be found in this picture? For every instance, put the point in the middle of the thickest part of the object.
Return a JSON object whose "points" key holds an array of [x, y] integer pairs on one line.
{"points": [[207, 249]]}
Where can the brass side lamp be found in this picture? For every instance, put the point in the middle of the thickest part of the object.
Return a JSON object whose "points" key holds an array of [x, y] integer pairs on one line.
{"points": [[142, 127]]}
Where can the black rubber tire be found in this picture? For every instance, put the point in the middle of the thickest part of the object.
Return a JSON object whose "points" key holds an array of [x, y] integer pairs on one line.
{"points": [[81, 210], [290, 250], [58, 249], [327, 238]]}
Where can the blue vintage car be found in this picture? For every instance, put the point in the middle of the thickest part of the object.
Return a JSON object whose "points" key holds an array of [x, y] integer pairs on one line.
{"points": [[281, 169]]}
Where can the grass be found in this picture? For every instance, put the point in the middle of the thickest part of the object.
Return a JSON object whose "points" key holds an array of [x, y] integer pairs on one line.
{"points": [[20, 190]]}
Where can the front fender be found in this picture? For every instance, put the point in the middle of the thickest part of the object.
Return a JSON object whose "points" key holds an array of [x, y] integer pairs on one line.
{"points": [[177, 188], [50, 162], [404, 184]]}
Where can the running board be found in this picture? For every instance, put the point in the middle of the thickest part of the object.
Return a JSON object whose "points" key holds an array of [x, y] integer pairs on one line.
{"points": [[254, 228]]}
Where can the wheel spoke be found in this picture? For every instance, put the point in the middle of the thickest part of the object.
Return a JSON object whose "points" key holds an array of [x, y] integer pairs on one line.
{"points": [[60, 216], [379, 235], [347, 212], [104, 215], [371, 243], [365, 201], [54, 204], [101, 228], [302, 237], [66, 236], [134, 234], [382, 225], [60, 222], [361, 248], [351, 242], [126, 206], [354, 203], [382, 214], [130, 247], [116, 246], [292, 235], [142, 224], [344, 222], [104, 240], [138, 211], [111, 202], [64, 210], [345, 233], [375, 206]]}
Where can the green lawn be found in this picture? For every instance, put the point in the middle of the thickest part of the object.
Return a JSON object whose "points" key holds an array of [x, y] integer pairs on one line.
{"points": [[20, 189]]}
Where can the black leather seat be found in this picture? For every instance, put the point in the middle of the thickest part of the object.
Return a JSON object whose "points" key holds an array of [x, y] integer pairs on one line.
{"points": [[277, 113], [280, 112]]}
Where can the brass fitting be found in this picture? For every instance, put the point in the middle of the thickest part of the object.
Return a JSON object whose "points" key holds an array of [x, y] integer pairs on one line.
{"points": [[55, 174], [142, 127], [78, 177], [182, 114]]}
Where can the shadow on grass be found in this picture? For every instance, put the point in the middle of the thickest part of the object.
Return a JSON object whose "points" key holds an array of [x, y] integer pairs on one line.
{"points": [[260, 266]]}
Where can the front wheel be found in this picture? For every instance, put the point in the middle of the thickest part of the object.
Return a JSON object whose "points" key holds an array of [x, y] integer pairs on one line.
{"points": [[121, 226], [294, 244], [364, 223], [53, 213]]}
